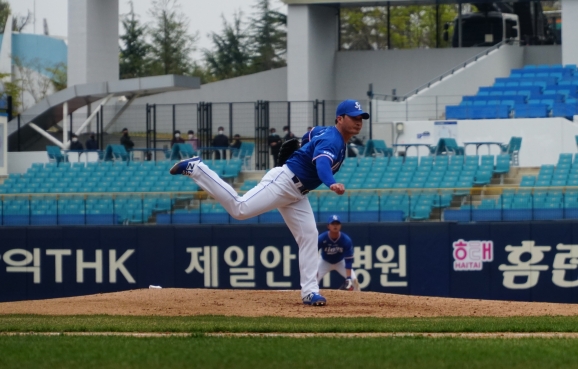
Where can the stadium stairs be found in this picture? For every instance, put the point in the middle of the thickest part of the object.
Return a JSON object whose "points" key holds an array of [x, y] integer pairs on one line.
{"points": [[532, 92]]}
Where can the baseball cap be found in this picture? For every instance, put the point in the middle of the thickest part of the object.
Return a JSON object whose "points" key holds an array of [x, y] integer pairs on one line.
{"points": [[351, 108], [333, 219]]}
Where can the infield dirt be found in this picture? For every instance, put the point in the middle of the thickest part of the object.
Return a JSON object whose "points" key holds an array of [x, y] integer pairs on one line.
{"points": [[250, 303]]}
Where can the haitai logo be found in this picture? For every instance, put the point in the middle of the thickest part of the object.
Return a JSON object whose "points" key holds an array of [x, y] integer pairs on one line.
{"points": [[470, 255]]}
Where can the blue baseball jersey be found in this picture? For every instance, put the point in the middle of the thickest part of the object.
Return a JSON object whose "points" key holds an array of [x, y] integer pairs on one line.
{"points": [[329, 144], [333, 251], [315, 131]]}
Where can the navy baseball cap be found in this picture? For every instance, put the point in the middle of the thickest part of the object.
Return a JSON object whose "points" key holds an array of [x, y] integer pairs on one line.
{"points": [[334, 219], [351, 108]]}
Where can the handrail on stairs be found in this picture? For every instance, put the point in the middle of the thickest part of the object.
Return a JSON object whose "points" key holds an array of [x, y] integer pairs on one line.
{"points": [[448, 73]]}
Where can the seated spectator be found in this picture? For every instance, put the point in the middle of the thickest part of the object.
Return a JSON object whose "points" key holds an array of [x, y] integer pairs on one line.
{"points": [[236, 144], [92, 142], [193, 140], [177, 138], [75, 144]]}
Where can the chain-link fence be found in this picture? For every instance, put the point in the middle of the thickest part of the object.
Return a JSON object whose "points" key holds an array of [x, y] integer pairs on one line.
{"points": [[415, 108], [153, 126]]}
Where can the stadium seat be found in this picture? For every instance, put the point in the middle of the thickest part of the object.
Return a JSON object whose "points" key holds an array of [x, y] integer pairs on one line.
{"points": [[531, 110]]}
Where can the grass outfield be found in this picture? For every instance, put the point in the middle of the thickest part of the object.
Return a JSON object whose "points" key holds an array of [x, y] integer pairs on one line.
{"points": [[335, 353], [207, 324], [200, 351]]}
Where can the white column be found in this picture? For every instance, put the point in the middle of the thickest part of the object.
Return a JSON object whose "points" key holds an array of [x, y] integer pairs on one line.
{"points": [[312, 41], [569, 32], [92, 41], [6, 50], [65, 122]]}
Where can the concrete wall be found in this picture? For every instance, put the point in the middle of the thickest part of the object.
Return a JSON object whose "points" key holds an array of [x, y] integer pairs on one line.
{"points": [[269, 85], [311, 46], [546, 54], [92, 41], [542, 139], [569, 32], [499, 63], [19, 162], [403, 70]]}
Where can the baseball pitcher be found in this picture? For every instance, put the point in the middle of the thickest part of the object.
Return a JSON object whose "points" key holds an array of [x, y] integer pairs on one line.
{"points": [[286, 188]]}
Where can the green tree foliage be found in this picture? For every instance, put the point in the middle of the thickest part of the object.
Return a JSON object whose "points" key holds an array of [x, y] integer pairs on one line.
{"points": [[364, 28], [551, 5], [58, 76], [268, 37], [231, 57], [4, 13], [13, 89], [171, 44], [411, 26], [134, 52]]}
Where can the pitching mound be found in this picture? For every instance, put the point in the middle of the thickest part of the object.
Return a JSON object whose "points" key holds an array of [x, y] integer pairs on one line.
{"points": [[183, 302]]}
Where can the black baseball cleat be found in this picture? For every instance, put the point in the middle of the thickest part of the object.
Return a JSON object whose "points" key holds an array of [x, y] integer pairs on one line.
{"points": [[185, 167]]}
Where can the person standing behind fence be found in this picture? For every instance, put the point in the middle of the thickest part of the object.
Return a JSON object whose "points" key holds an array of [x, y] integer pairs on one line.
{"points": [[92, 142], [193, 140], [221, 141], [288, 134], [125, 140], [177, 139], [275, 145]]}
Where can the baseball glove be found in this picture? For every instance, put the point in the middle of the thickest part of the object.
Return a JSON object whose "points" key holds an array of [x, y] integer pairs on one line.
{"points": [[287, 149], [347, 285]]}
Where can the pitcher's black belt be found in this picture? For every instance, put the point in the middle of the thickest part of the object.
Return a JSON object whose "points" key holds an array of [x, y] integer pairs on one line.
{"points": [[300, 186]]}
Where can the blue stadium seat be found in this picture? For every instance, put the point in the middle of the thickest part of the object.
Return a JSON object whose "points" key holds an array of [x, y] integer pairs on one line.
{"points": [[531, 110], [564, 110]]}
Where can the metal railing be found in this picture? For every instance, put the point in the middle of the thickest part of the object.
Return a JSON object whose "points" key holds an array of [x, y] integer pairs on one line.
{"points": [[450, 72], [364, 205]]}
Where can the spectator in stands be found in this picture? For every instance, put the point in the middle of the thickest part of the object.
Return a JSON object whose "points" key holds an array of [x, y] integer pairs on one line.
{"points": [[125, 140], [192, 139], [92, 142], [236, 144], [275, 145], [288, 134], [75, 144], [177, 139], [221, 141]]}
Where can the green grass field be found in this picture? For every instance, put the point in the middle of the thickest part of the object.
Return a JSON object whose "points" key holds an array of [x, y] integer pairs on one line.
{"points": [[201, 351]]}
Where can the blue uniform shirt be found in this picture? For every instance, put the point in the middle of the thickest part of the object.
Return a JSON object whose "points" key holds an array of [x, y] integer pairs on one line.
{"points": [[328, 143], [333, 251], [315, 131]]}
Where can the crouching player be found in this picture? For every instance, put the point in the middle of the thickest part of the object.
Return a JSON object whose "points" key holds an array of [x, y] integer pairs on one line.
{"points": [[336, 254]]}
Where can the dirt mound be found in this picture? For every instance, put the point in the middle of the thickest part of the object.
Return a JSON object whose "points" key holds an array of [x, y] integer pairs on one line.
{"points": [[183, 302]]}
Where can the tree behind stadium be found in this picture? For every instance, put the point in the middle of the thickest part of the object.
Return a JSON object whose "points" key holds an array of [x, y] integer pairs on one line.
{"points": [[230, 56], [134, 51], [268, 37], [171, 43]]}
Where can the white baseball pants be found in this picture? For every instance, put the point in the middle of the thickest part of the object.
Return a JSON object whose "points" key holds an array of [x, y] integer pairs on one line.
{"points": [[325, 267], [275, 191]]}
